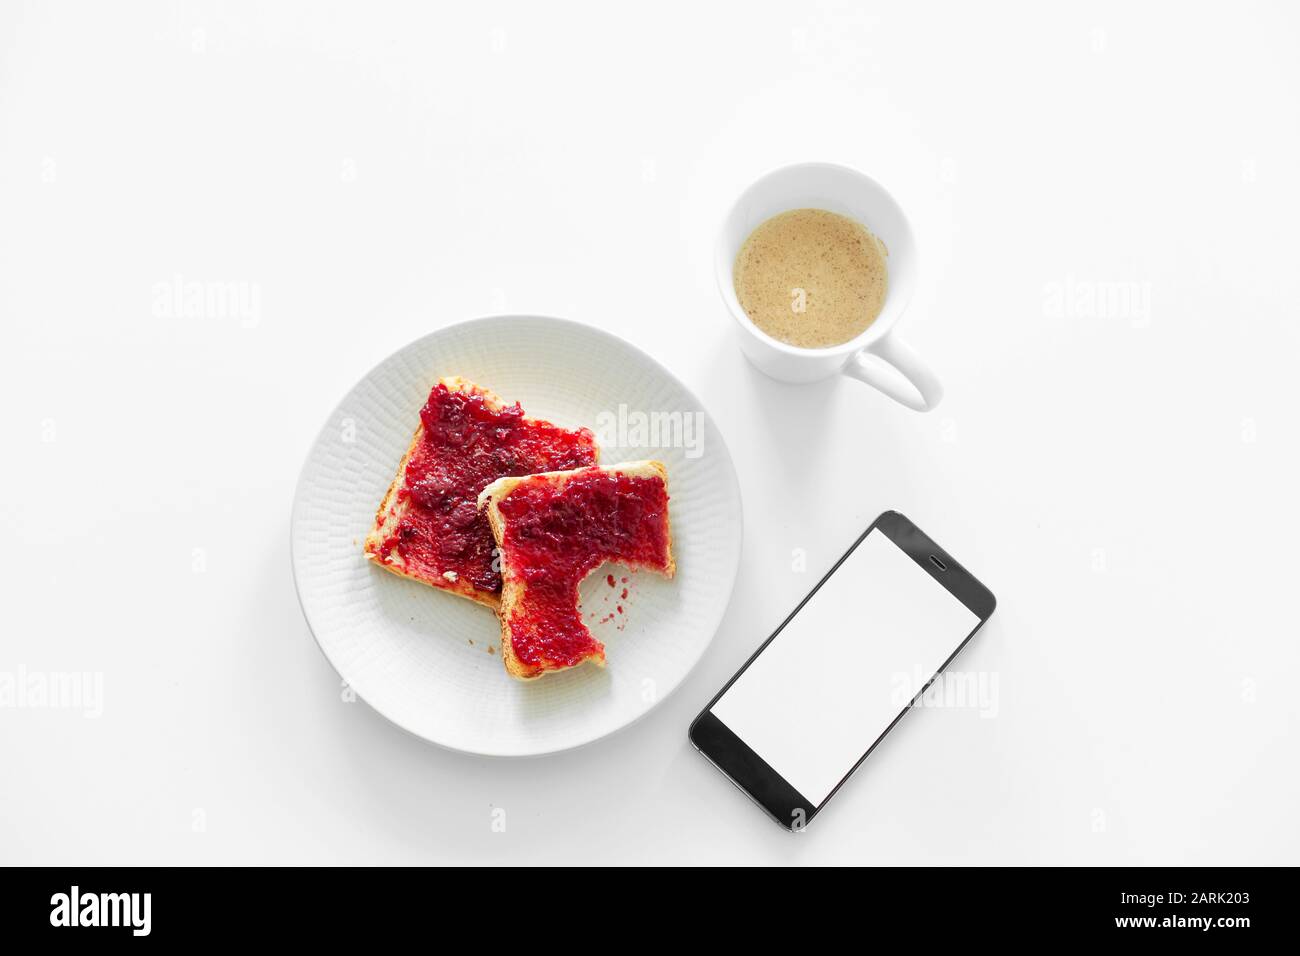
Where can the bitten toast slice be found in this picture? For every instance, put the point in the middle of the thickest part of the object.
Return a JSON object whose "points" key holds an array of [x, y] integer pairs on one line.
{"points": [[428, 526], [554, 529]]}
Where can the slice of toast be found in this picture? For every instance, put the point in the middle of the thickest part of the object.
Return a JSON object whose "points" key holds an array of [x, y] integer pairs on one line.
{"points": [[428, 526], [554, 529]]}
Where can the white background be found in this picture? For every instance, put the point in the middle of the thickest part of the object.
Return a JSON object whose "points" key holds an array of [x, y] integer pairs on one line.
{"points": [[1120, 471]]}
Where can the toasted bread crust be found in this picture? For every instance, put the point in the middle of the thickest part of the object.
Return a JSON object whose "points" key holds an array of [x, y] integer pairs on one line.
{"points": [[512, 590], [509, 595]]}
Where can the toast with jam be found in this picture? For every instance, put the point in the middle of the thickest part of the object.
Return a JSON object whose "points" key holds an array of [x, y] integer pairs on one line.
{"points": [[554, 529], [428, 526]]}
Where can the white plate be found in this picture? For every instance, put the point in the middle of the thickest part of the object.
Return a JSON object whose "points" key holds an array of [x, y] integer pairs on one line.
{"points": [[420, 656]]}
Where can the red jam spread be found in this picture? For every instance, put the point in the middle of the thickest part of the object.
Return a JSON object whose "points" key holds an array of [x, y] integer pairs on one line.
{"points": [[465, 445], [556, 536]]}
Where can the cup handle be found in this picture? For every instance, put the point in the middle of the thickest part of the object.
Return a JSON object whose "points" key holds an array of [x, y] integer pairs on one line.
{"points": [[900, 373]]}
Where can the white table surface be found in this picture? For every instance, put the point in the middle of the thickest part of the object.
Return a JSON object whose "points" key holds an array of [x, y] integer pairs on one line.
{"points": [[1105, 202]]}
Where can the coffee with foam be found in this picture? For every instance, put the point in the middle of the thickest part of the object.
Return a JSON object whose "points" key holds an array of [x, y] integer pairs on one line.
{"points": [[812, 278]]}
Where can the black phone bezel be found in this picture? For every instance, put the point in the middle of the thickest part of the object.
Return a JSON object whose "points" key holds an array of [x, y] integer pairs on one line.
{"points": [[746, 769]]}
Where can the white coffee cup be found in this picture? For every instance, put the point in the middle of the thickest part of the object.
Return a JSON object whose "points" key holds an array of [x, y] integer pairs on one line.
{"points": [[877, 356]]}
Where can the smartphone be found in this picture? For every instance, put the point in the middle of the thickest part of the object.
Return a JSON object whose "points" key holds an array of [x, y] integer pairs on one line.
{"points": [[816, 698]]}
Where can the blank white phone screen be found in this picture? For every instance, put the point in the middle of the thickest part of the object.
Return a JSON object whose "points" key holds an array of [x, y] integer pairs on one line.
{"points": [[853, 657]]}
